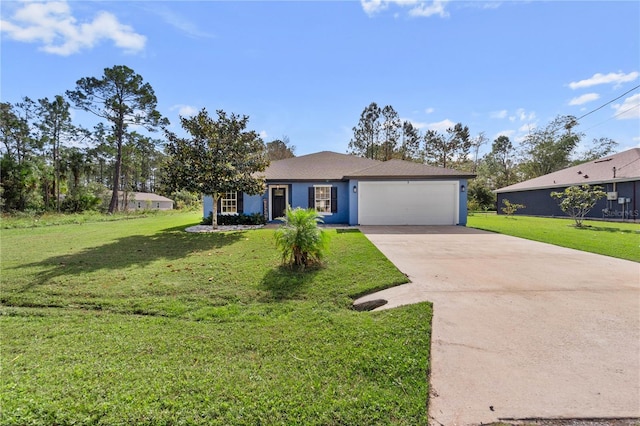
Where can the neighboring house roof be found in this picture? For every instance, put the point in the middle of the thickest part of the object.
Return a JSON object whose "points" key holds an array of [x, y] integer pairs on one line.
{"points": [[621, 167], [144, 196], [327, 165]]}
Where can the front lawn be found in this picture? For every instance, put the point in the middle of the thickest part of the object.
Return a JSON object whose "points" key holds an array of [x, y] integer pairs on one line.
{"points": [[621, 240], [138, 322]]}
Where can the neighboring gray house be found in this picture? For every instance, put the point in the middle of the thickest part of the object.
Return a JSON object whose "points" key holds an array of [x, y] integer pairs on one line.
{"points": [[352, 190], [143, 201], [618, 175]]}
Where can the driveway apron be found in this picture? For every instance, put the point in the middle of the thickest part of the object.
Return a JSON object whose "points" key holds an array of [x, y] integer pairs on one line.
{"points": [[521, 329]]}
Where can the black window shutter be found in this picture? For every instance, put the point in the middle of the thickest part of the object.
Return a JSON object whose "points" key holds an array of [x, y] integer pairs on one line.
{"points": [[312, 197], [334, 199], [240, 205]]}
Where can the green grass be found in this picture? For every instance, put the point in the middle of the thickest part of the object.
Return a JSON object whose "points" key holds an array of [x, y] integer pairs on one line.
{"points": [[615, 239], [34, 220], [138, 322]]}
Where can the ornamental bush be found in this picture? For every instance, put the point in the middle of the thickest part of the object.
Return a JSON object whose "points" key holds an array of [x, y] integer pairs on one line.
{"points": [[577, 201], [236, 219], [300, 239]]}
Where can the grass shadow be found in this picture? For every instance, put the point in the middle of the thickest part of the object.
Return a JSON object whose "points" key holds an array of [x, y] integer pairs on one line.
{"points": [[605, 229], [126, 252], [285, 283]]}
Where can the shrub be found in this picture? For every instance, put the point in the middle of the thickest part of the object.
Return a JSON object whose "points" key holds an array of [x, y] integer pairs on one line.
{"points": [[510, 208], [577, 201], [236, 219], [185, 200], [78, 203], [301, 240], [480, 197]]}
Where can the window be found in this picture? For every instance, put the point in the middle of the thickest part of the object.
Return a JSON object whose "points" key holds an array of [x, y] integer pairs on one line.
{"points": [[323, 199], [229, 203]]}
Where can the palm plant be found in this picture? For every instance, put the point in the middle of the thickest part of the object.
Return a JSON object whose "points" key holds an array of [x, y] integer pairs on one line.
{"points": [[301, 240]]}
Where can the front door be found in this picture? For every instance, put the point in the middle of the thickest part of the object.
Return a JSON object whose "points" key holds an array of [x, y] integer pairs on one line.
{"points": [[278, 202]]}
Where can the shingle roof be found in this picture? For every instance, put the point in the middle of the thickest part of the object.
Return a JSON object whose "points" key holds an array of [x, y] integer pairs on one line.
{"points": [[401, 169], [327, 165], [145, 196], [626, 164]]}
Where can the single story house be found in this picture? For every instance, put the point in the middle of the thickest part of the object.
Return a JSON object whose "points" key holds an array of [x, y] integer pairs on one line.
{"points": [[143, 201], [617, 174], [347, 189]]}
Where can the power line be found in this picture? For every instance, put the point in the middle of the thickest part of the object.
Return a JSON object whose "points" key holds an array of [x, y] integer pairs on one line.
{"points": [[602, 106], [611, 118]]}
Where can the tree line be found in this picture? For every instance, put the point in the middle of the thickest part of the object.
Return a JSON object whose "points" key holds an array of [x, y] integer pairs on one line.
{"points": [[380, 134], [48, 163]]}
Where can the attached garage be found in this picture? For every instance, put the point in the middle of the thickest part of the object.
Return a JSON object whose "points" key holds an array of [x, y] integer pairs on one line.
{"points": [[408, 202]]}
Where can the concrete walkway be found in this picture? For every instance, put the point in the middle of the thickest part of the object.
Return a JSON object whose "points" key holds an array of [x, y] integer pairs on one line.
{"points": [[521, 329]]}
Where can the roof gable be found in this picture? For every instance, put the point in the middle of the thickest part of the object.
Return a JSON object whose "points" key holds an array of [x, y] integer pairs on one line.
{"points": [[626, 164], [327, 165]]}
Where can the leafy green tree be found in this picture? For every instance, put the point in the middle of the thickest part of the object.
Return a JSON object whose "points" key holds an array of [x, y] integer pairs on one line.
{"points": [[366, 135], [300, 239], [220, 156], [279, 149], [122, 98], [410, 138], [382, 135], [501, 163], [21, 171], [480, 197], [15, 132], [577, 201], [391, 133], [447, 150], [550, 149], [599, 148], [56, 127]]}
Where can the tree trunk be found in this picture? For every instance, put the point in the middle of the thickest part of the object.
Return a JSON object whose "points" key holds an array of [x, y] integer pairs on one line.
{"points": [[113, 206], [214, 212]]}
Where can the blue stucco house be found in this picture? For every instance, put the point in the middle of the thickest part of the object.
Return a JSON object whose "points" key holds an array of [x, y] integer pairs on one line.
{"points": [[352, 190]]}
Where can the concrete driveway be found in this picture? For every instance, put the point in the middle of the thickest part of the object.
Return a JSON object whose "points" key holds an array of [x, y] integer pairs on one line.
{"points": [[521, 329]]}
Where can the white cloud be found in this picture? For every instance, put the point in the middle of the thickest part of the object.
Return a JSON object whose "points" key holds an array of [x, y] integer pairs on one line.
{"points": [[587, 97], [263, 134], [429, 110], [417, 8], [522, 115], [499, 114], [507, 133], [179, 22], [612, 77], [629, 109], [440, 126], [526, 128], [425, 10], [184, 110], [371, 7], [53, 25]]}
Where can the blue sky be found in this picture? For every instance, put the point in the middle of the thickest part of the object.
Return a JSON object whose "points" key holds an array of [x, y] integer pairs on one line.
{"points": [[307, 69]]}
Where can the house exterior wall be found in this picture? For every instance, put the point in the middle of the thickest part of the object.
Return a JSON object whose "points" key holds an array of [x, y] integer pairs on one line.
{"points": [[462, 210], [148, 205], [540, 203], [298, 196]]}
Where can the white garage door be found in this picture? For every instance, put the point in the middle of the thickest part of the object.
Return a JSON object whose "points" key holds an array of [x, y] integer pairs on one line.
{"points": [[408, 203]]}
